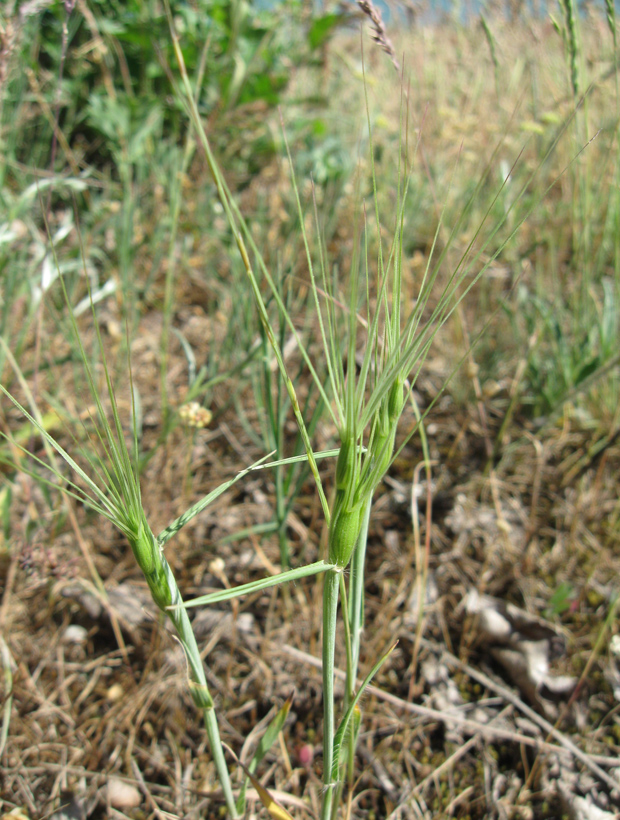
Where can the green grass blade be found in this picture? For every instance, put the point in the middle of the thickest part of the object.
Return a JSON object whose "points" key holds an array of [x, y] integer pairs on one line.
{"points": [[265, 743], [166, 534], [263, 583], [344, 723], [234, 219], [331, 354], [97, 492]]}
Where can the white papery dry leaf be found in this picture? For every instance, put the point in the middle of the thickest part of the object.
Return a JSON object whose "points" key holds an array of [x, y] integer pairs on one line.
{"points": [[524, 645]]}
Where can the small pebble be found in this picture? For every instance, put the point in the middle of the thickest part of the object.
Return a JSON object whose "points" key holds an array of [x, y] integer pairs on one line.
{"points": [[217, 566], [115, 693], [305, 755], [122, 795], [75, 634]]}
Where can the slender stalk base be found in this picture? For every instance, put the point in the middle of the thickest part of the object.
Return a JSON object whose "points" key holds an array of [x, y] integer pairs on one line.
{"points": [[198, 686], [330, 609], [355, 617], [356, 599]]}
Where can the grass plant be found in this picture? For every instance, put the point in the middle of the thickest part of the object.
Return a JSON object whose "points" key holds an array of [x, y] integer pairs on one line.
{"points": [[365, 407], [114, 493]]}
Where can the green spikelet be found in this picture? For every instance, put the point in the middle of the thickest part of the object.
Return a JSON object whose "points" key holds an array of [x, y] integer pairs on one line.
{"points": [[572, 41], [151, 562], [381, 445], [348, 510], [346, 465], [344, 528], [396, 401]]}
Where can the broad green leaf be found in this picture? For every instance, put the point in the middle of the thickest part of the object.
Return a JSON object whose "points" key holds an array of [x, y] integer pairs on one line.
{"points": [[322, 27]]}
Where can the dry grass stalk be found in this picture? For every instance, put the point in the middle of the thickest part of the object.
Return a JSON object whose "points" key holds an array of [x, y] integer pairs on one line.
{"points": [[379, 34], [7, 44]]}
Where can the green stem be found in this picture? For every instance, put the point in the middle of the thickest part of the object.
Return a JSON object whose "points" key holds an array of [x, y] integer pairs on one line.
{"points": [[349, 694], [330, 609], [355, 617], [356, 598], [350, 685], [198, 685]]}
